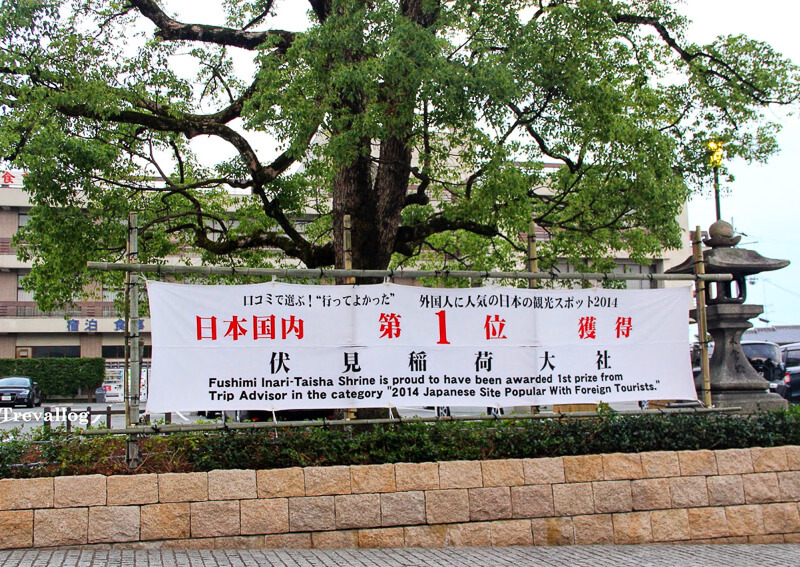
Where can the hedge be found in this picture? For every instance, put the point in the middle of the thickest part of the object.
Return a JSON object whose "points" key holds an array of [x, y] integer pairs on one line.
{"points": [[56, 452], [58, 377]]}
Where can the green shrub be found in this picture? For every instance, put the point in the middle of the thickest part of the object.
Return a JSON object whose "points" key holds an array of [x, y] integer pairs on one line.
{"points": [[55, 452], [58, 377]]}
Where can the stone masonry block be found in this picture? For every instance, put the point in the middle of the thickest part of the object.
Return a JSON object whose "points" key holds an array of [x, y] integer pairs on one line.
{"points": [[474, 534], [460, 474], [425, 536], [726, 490], [670, 525], [265, 516], [544, 470], [651, 494], [708, 523], [632, 528], [503, 472], [327, 481], [346, 539], [534, 501], [288, 541], [766, 539], [381, 538], [216, 518], [68, 526], [735, 461], [372, 478], [597, 529], [789, 484], [125, 490], [22, 493], [769, 459], [492, 503], [781, 518], [622, 466], [165, 521], [583, 468], [660, 464], [403, 508], [183, 487], [612, 496], [697, 463], [312, 514], [73, 491], [113, 524], [447, 506], [232, 484], [761, 488], [416, 476], [16, 529], [281, 483], [573, 499], [358, 511], [553, 531], [688, 491], [793, 457], [512, 532], [745, 520]]}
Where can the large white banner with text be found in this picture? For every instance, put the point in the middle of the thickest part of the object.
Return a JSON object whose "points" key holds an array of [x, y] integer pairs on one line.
{"points": [[280, 346]]}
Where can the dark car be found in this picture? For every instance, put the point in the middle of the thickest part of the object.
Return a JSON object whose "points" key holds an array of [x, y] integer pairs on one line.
{"points": [[19, 391], [790, 387], [765, 357]]}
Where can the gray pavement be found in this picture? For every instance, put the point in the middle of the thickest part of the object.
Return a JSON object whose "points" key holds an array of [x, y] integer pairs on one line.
{"points": [[773, 555]]}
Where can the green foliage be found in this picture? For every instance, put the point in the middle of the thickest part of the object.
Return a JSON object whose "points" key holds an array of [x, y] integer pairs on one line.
{"points": [[58, 376], [55, 452], [442, 128]]}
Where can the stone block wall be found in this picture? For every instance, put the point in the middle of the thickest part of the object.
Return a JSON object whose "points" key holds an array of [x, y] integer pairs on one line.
{"points": [[740, 495]]}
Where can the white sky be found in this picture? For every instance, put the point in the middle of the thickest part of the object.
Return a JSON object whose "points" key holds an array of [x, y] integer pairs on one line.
{"points": [[762, 201]]}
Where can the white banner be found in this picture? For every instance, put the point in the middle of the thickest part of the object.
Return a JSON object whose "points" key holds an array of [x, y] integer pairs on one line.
{"points": [[281, 346]]}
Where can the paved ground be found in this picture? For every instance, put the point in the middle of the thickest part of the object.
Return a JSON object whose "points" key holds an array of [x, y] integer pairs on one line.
{"points": [[583, 556]]}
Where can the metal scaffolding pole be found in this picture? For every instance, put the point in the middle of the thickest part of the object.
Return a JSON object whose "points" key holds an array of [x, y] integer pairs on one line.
{"points": [[166, 269]]}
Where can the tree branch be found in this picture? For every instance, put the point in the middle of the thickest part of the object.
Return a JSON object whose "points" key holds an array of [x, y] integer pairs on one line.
{"points": [[171, 29]]}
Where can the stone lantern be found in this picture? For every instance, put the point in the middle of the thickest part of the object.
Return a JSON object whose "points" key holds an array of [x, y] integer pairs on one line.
{"points": [[734, 382]]}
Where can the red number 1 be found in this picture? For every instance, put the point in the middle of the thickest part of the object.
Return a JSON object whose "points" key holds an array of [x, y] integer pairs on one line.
{"points": [[442, 329]]}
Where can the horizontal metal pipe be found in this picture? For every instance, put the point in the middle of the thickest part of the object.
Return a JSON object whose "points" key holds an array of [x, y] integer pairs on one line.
{"points": [[332, 273], [230, 426]]}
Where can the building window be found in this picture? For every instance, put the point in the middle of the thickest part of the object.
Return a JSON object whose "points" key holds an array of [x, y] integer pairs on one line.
{"points": [[22, 219], [22, 294], [118, 351], [56, 351]]}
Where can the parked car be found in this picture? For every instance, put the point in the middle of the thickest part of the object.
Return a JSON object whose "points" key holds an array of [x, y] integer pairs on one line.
{"points": [[19, 391], [790, 388], [765, 357]]}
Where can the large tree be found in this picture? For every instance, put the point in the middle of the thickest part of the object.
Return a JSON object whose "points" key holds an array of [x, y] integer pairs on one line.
{"points": [[442, 127]]}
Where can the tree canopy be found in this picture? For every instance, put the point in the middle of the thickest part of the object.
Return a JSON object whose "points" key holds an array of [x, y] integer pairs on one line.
{"points": [[442, 127]]}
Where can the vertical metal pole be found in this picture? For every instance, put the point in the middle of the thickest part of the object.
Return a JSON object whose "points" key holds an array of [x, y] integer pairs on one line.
{"points": [[348, 265], [348, 248], [533, 258], [533, 266], [134, 375], [716, 192], [702, 325]]}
